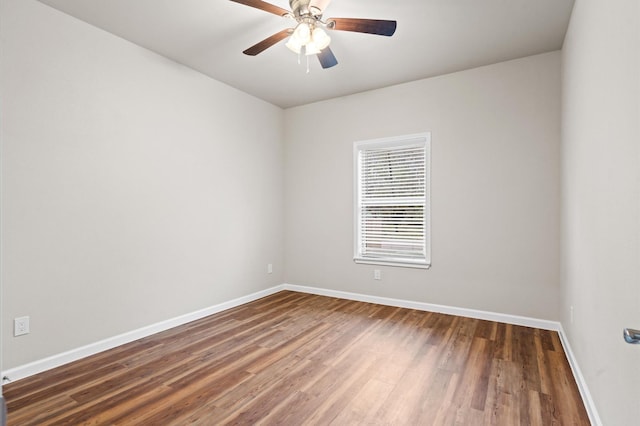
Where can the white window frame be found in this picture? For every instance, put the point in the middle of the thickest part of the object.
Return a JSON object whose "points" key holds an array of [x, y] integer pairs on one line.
{"points": [[419, 139]]}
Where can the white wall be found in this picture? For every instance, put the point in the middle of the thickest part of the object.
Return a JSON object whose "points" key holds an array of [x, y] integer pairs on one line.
{"points": [[133, 189], [495, 188], [601, 193]]}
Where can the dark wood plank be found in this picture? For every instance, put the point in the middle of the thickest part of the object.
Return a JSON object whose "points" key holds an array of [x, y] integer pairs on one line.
{"points": [[294, 358]]}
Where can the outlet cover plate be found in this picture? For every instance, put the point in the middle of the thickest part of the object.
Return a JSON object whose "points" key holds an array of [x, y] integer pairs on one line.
{"points": [[20, 326]]}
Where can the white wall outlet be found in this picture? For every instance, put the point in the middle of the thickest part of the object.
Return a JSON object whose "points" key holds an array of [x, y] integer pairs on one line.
{"points": [[20, 326], [270, 268], [377, 275]]}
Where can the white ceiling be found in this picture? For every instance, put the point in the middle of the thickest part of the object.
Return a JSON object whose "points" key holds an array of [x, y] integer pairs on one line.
{"points": [[434, 37]]}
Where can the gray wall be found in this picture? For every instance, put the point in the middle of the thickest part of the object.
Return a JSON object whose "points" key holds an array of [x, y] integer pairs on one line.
{"points": [[134, 189], [495, 188], [601, 194]]}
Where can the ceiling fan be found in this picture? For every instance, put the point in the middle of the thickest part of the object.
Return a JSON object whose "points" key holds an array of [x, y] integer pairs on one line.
{"points": [[308, 36]]}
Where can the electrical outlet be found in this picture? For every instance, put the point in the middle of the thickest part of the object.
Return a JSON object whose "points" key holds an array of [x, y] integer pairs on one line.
{"points": [[377, 275], [270, 268], [20, 326]]}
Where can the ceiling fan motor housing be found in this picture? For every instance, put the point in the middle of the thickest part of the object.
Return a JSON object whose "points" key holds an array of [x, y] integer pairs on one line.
{"points": [[300, 8]]}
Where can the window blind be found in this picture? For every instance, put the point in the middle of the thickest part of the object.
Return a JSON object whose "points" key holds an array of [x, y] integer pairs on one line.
{"points": [[391, 206]]}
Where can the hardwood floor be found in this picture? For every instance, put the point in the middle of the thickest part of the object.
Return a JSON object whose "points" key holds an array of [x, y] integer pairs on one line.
{"points": [[294, 358]]}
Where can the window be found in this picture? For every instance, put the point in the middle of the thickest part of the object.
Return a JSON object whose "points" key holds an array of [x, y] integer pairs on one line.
{"points": [[392, 201]]}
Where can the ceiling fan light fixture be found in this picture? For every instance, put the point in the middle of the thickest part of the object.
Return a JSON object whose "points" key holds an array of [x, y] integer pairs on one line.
{"points": [[302, 33], [294, 45], [312, 39], [320, 38], [311, 48]]}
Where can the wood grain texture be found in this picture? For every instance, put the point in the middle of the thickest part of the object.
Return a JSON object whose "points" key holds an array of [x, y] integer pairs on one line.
{"points": [[299, 359], [268, 42]]}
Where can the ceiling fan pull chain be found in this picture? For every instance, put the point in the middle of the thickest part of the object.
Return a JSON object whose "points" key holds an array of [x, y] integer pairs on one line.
{"points": [[307, 64]]}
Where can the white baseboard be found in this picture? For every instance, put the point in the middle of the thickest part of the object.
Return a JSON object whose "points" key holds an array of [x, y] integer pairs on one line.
{"points": [[430, 307], [589, 404], [57, 360], [39, 366]]}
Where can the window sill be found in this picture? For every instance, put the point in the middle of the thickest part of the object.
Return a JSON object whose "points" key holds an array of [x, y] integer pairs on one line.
{"points": [[401, 264]]}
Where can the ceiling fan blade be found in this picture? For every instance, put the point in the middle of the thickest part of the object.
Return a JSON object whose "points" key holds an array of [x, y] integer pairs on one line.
{"points": [[327, 58], [369, 26], [319, 5], [268, 42], [263, 5]]}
